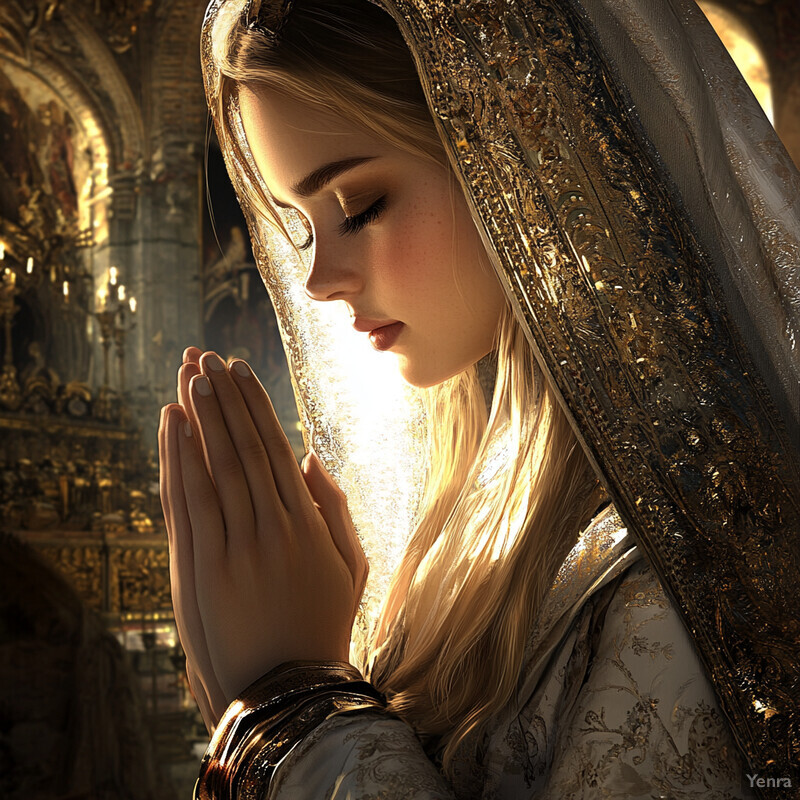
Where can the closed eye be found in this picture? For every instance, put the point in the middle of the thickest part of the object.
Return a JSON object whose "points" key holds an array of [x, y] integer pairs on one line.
{"points": [[354, 224]]}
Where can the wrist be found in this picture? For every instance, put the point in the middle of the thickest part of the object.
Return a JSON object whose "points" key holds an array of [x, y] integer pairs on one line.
{"points": [[271, 716]]}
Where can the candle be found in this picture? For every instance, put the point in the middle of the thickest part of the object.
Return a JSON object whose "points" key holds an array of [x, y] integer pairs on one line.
{"points": [[2, 250], [132, 303], [112, 276], [121, 293], [29, 265], [66, 290], [102, 294]]}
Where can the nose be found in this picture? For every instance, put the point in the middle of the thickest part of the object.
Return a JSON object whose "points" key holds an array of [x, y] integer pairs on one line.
{"points": [[332, 276]]}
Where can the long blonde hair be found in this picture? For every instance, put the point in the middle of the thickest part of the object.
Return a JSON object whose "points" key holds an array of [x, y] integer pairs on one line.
{"points": [[449, 645]]}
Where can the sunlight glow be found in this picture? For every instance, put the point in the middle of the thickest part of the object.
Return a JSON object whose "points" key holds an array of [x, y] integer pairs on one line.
{"points": [[359, 410], [744, 51]]}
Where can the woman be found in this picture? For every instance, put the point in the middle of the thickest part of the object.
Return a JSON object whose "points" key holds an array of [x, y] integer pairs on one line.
{"points": [[525, 647]]}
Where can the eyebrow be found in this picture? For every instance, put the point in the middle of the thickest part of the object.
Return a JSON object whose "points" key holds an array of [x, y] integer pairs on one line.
{"points": [[322, 176]]}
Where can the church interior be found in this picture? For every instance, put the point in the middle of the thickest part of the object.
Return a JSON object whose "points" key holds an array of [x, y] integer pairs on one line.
{"points": [[121, 244]]}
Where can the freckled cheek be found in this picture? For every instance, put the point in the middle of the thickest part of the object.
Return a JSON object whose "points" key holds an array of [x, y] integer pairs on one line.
{"points": [[418, 257]]}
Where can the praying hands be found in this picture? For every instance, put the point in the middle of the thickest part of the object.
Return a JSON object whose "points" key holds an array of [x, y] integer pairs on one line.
{"points": [[265, 565]]}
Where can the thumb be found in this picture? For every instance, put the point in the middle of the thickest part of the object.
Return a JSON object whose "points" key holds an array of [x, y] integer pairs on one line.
{"points": [[332, 504]]}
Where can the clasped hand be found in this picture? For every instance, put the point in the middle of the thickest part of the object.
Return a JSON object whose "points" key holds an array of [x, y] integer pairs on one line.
{"points": [[265, 565]]}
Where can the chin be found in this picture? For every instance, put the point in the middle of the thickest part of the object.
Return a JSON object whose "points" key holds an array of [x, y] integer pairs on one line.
{"points": [[426, 374]]}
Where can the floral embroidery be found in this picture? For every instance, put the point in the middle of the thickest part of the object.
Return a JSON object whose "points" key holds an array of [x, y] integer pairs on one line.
{"points": [[620, 707], [639, 645]]}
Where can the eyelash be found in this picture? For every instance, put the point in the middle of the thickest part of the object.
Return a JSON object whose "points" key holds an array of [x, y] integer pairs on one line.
{"points": [[354, 224]]}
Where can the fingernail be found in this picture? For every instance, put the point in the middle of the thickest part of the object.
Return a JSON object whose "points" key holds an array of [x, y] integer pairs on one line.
{"points": [[213, 361], [241, 369], [202, 385], [187, 428]]}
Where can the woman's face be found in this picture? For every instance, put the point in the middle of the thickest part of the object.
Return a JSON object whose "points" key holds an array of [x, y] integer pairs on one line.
{"points": [[384, 238]]}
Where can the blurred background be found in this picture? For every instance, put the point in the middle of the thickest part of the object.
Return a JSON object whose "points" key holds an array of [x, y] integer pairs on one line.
{"points": [[110, 265]]}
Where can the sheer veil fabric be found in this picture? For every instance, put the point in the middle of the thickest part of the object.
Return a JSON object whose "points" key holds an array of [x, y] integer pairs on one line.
{"points": [[644, 219]]}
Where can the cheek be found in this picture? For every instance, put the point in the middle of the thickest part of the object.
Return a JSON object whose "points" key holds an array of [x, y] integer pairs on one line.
{"points": [[417, 256]]}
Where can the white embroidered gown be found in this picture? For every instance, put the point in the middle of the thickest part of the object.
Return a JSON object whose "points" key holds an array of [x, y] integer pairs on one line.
{"points": [[612, 703]]}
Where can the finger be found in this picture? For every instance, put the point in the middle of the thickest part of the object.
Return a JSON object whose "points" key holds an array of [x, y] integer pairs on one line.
{"points": [[182, 557], [186, 372], [332, 504], [221, 460], [162, 470], [239, 438], [182, 570], [203, 514], [192, 354], [289, 483]]}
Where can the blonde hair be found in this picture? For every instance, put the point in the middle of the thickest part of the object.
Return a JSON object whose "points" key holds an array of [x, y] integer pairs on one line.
{"points": [[449, 645]]}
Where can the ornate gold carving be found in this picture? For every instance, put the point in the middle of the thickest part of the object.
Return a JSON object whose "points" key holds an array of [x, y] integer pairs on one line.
{"points": [[10, 394], [139, 577], [82, 565], [75, 474], [117, 20], [114, 573]]}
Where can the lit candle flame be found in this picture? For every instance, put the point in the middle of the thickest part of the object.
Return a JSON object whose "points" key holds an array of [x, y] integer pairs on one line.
{"points": [[29, 265], [66, 290], [132, 303], [121, 293], [112, 276]]}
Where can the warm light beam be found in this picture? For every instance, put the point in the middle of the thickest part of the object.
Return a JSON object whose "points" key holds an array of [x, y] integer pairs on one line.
{"points": [[744, 51]]}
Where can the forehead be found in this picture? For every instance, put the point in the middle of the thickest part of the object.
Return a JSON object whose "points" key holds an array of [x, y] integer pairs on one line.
{"points": [[289, 138]]}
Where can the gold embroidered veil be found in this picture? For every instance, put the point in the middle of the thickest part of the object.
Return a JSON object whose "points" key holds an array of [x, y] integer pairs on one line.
{"points": [[644, 219]]}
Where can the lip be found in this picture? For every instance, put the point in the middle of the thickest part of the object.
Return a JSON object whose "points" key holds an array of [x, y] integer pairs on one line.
{"points": [[384, 337], [364, 324], [382, 332]]}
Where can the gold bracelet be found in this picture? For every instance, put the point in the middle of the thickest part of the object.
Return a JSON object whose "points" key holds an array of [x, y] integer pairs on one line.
{"points": [[270, 717]]}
